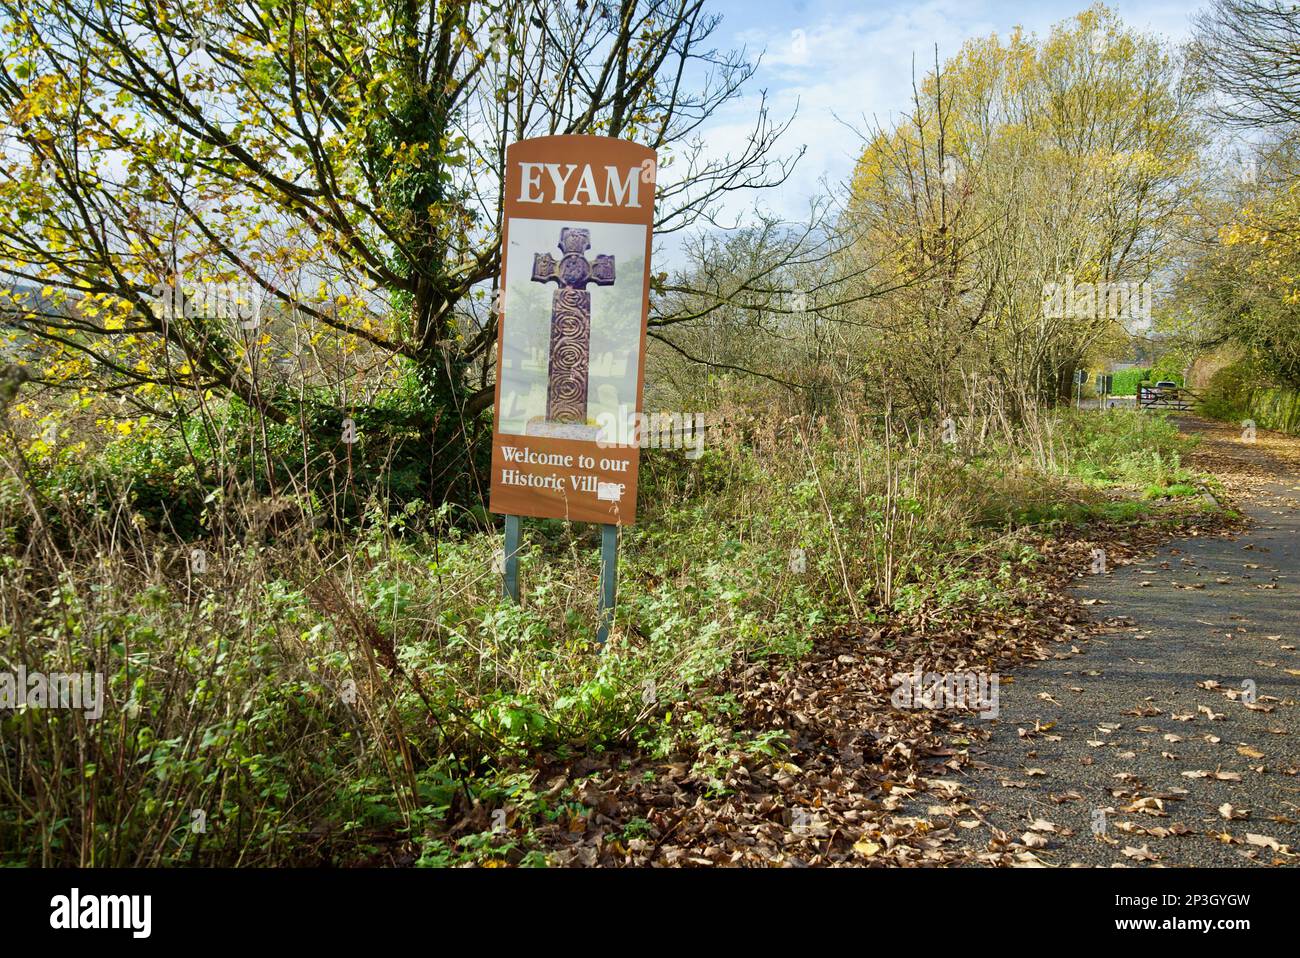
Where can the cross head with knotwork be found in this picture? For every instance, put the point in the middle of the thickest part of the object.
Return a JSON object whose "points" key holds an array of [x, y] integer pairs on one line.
{"points": [[570, 356]]}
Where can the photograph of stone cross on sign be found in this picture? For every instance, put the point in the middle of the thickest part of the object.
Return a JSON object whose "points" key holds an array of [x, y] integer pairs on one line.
{"points": [[575, 282], [570, 353]]}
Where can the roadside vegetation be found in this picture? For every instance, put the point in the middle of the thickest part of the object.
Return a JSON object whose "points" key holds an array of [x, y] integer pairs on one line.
{"points": [[325, 694]]}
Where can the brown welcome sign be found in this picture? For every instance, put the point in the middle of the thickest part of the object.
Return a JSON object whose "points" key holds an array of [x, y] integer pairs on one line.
{"points": [[575, 287]]}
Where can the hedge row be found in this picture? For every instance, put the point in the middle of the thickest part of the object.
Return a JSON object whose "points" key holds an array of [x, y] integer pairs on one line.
{"points": [[1126, 381], [1273, 407], [1234, 395]]}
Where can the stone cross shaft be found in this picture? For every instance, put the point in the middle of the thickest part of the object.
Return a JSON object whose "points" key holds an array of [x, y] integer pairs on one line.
{"points": [[570, 357]]}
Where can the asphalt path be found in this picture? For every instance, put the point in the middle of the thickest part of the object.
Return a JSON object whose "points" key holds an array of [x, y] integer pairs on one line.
{"points": [[1172, 737]]}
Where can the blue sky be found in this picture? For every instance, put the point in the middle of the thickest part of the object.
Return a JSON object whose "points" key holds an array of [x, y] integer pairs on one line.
{"points": [[855, 61]]}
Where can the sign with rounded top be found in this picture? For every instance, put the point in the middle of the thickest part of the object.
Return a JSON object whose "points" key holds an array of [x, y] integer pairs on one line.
{"points": [[572, 310]]}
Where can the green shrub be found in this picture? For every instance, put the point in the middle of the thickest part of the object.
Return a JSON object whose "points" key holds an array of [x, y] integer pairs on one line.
{"points": [[1226, 396], [1235, 394], [1274, 407], [1126, 381], [1124, 446]]}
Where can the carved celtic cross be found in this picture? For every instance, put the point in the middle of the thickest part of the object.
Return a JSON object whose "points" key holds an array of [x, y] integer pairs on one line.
{"points": [[570, 357]]}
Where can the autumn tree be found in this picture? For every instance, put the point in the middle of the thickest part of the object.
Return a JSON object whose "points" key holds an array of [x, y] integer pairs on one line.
{"points": [[340, 160], [1023, 162], [1239, 289]]}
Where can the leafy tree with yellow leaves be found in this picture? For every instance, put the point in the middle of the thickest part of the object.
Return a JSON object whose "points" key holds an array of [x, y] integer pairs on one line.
{"points": [[332, 166], [1025, 162]]}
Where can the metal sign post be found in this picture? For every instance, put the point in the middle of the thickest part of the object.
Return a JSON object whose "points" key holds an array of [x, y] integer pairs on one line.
{"points": [[608, 579], [510, 569], [608, 572]]}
